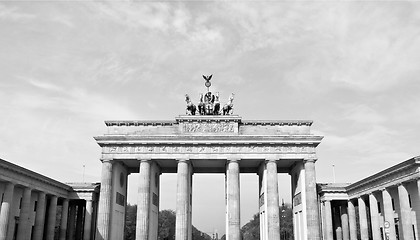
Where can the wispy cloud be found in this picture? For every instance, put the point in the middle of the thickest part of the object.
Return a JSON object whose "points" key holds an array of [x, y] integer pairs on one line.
{"points": [[40, 84], [13, 13]]}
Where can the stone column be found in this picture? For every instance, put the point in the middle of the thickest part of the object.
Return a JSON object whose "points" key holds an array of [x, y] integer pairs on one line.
{"points": [[352, 220], [52, 212], [79, 221], [389, 213], [64, 216], [105, 196], [328, 221], [88, 220], [312, 211], [345, 222], [182, 201], [71, 221], [233, 200], [5, 209], [405, 213], [143, 201], [23, 228], [364, 234], [374, 217], [40, 217], [273, 212]]}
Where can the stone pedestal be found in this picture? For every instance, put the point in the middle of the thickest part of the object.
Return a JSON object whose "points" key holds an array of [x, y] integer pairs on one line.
{"points": [[312, 211], [104, 202], [233, 231], [5, 209], [143, 201]]}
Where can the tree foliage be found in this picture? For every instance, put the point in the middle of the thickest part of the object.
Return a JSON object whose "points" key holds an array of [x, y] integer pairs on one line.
{"points": [[166, 225], [130, 222], [251, 230]]}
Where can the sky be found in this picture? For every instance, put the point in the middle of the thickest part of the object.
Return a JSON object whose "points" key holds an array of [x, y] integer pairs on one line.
{"points": [[350, 66]]}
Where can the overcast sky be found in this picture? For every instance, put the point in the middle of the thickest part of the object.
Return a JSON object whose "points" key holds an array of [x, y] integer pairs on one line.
{"points": [[351, 67]]}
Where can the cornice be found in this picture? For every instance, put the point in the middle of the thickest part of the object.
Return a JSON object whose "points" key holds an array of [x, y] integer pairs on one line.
{"points": [[199, 118], [209, 140], [121, 123], [385, 174], [278, 122], [33, 175]]}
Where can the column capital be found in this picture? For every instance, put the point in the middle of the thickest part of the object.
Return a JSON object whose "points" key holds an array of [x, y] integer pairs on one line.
{"points": [[186, 160], [267, 160], [311, 160], [233, 159], [144, 159], [10, 183], [103, 160]]}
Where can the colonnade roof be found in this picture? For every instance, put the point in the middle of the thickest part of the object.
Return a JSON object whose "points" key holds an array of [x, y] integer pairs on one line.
{"points": [[21, 176], [405, 171]]}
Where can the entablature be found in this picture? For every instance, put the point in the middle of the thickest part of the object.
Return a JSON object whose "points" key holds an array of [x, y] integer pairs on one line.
{"points": [[27, 178], [209, 125]]}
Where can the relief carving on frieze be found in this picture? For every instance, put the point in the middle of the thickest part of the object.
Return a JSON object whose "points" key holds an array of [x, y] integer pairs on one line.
{"points": [[206, 149], [222, 127]]}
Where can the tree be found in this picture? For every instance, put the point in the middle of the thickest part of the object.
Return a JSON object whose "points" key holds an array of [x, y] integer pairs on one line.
{"points": [[286, 222], [130, 222], [251, 230], [166, 226]]}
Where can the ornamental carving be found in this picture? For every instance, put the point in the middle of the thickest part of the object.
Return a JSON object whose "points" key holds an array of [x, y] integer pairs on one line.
{"points": [[206, 149], [208, 127]]}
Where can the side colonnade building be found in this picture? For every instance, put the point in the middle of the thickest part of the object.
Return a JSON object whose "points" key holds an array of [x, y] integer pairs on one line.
{"points": [[30, 203], [385, 205]]}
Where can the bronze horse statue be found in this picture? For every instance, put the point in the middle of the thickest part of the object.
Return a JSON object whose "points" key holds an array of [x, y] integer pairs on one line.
{"points": [[216, 108], [191, 108], [228, 107], [201, 106]]}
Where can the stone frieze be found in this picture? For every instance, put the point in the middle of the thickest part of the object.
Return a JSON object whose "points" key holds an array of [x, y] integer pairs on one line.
{"points": [[221, 127], [206, 149]]}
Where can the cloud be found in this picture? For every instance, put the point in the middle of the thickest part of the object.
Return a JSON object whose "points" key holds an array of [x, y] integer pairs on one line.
{"points": [[13, 14], [65, 20], [40, 84], [363, 114]]}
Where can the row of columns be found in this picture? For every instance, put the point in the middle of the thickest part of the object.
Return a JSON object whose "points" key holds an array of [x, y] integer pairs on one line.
{"points": [[183, 201], [370, 228], [43, 216]]}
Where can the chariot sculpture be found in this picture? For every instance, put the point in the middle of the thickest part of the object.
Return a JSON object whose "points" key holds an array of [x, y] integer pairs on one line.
{"points": [[209, 103]]}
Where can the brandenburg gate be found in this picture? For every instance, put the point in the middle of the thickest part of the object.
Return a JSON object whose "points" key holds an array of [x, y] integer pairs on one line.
{"points": [[207, 143]]}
